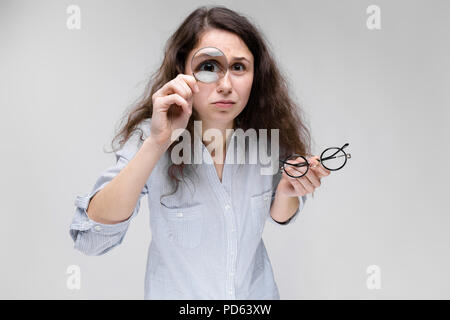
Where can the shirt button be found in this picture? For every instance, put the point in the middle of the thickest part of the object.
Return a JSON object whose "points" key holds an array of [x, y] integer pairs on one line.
{"points": [[179, 214], [230, 292], [227, 207], [232, 274], [98, 228], [267, 197]]}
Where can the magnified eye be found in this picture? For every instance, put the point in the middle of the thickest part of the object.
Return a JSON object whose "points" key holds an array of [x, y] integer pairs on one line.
{"points": [[209, 66]]}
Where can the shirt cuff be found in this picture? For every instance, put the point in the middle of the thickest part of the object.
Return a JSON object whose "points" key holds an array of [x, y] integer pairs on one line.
{"points": [[82, 222]]}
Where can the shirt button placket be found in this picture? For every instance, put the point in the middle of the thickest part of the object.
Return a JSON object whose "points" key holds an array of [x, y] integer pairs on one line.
{"points": [[232, 257]]}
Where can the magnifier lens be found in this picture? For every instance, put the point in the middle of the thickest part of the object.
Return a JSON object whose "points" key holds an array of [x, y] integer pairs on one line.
{"points": [[209, 64]]}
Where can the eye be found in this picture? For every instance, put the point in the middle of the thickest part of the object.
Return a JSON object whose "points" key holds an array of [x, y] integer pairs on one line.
{"points": [[209, 66], [238, 64]]}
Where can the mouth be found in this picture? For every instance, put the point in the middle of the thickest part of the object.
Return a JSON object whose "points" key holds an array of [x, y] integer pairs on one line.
{"points": [[224, 103]]}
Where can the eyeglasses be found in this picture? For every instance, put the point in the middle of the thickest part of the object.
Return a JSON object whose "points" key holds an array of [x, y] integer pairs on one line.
{"points": [[333, 159]]}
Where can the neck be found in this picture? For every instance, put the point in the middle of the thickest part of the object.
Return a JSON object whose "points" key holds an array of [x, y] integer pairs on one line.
{"points": [[222, 127]]}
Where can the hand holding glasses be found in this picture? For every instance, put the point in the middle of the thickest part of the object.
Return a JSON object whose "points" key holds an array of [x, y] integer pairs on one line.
{"points": [[332, 159]]}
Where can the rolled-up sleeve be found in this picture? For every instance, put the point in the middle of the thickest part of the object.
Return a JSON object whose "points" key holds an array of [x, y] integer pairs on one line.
{"points": [[301, 199], [94, 238]]}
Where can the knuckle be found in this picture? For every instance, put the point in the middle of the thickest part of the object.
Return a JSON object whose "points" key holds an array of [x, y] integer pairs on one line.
{"points": [[186, 90], [176, 84]]}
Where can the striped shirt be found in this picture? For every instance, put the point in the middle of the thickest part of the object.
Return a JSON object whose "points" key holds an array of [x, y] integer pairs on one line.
{"points": [[206, 237]]}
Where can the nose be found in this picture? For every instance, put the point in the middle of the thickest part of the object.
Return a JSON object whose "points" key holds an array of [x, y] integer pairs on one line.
{"points": [[224, 84]]}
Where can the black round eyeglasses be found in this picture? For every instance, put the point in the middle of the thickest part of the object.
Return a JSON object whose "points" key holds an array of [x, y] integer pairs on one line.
{"points": [[332, 158]]}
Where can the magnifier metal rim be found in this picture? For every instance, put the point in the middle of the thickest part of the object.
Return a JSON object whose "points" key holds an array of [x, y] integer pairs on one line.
{"points": [[193, 56]]}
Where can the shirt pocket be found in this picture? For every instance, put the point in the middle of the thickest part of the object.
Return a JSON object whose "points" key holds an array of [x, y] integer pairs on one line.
{"points": [[260, 209], [185, 225]]}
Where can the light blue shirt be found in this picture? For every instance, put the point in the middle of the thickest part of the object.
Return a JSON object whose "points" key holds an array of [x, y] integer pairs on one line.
{"points": [[206, 238]]}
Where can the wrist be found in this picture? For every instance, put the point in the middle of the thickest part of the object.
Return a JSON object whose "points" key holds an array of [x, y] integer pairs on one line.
{"points": [[284, 196], [153, 145]]}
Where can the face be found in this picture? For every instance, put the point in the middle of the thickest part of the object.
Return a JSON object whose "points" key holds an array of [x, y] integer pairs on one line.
{"points": [[235, 85]]}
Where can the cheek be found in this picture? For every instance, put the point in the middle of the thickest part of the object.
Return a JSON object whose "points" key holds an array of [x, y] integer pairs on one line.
{"points": [[201, 99], [245, 86]]}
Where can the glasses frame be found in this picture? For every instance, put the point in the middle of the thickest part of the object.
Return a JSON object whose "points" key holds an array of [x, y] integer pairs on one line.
{"points": [[321, 160]]}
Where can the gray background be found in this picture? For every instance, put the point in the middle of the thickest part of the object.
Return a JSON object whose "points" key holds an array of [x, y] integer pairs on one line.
{"points": [[386, 92]]}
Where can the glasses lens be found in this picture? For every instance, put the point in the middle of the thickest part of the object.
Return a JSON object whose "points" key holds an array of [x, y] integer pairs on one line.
{"points": [[295, 166], [333, 159], [209, 64]]}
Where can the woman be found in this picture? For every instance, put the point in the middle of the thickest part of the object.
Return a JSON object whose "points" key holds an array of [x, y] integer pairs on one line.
{"points": [[206, 219]]}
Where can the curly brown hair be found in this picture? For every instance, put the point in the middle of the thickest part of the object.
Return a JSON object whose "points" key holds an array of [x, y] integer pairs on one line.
{"points": [[269, 105]]}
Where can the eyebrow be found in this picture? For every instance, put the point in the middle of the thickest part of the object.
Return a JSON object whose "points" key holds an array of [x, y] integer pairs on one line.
{"points": [[241, 58]]}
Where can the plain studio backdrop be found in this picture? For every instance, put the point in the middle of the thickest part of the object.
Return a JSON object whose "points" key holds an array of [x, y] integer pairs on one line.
{"points": [[385, 92]]}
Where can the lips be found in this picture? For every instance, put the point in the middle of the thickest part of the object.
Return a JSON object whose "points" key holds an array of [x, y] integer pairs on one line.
{"points": [[224, 103]]}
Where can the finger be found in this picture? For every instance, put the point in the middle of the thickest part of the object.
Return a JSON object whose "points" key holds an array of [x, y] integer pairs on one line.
{"points": [[175, 98], [183, 88], [298, 187], [313, 178], [186, 88], [320, 172], [306, 184], [190, 81], [297, 170], [174, 86], [316, 165]]}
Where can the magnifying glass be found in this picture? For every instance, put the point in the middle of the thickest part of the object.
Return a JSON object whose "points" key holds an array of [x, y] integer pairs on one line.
{"points": [[209, 64]]}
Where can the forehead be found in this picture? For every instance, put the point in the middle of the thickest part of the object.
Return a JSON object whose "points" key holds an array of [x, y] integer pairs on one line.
{"points": [[228, 42]]}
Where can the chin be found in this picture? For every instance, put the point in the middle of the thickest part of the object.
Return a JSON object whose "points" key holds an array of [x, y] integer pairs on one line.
{"points": [[222, 116]]}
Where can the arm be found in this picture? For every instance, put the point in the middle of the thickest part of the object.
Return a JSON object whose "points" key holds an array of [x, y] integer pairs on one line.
{"points": [[290, 196], [107, 223], [283, 208], [116, 201]]}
